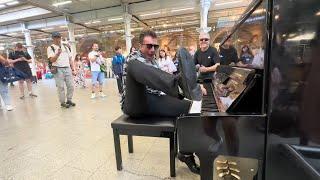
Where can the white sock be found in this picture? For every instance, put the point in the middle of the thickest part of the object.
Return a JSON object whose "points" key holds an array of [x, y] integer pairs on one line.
{"points": [[195, 107]]}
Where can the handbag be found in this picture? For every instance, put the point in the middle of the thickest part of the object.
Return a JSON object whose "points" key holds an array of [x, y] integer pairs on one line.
{"points": [[10, 74], [103, 68]]}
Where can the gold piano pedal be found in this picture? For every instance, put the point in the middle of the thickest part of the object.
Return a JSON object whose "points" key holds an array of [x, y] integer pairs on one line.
{"points": [[235, 168]]}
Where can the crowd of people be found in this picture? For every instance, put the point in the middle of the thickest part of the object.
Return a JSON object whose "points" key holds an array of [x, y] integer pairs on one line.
{"points": [[143, 76], [70, 73]]}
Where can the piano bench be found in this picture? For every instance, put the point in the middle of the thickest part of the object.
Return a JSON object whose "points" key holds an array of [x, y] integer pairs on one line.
{"points": [[146, 126]]}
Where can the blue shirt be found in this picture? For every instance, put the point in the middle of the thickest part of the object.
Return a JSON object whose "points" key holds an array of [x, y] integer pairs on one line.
{"points": [[117, 64]]}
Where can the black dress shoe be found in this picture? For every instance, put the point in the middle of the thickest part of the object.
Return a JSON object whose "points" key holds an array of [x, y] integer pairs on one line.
{"points": [[188, 74], [70, 103], [190, 162]]}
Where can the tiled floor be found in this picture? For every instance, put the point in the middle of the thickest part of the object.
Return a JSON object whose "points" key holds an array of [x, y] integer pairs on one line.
{"points": [[39, 140]]}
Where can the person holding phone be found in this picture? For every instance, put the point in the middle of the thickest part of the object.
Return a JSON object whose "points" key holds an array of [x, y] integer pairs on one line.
{"points": [[96, 60], [21, 59]]}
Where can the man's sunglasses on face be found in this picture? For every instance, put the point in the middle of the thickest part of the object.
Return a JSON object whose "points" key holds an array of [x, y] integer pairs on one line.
{"points": [[149, 46], [204, 39]]}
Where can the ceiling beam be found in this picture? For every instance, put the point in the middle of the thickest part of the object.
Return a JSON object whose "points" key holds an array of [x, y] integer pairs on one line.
{"points": [[4, 35], [136, 19]]}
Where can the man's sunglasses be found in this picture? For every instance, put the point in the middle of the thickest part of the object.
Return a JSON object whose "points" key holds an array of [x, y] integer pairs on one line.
{"points": [[149, 46], [204, 39]]}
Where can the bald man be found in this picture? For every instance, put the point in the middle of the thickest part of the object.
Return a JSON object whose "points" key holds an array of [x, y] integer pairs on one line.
{"points": [[206, 58]]}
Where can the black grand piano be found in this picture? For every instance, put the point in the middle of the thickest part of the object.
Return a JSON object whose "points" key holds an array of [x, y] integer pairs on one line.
{"points": [[263, 123], [232, 92]]}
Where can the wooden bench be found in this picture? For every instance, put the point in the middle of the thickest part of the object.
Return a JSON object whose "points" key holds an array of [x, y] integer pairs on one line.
{"points": [[148, 126]]}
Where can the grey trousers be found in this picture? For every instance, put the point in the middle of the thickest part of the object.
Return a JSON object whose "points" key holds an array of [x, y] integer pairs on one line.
{"points": [[64, 77]]}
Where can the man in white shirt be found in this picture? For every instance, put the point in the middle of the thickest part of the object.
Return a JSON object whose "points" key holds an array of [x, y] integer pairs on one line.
{"points": [[96, 60], [63, 69]]}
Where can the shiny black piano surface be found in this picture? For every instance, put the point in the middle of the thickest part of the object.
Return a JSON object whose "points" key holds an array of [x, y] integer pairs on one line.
{"points": [[275, 117]]}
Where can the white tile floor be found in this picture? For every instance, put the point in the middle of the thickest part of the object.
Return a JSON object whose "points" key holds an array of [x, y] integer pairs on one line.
{"points": [[39, 140]]}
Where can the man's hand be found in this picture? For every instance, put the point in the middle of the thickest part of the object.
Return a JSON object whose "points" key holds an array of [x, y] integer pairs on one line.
{"points": [[59, 51], [203, 90], [74, 72], [203, 69]]}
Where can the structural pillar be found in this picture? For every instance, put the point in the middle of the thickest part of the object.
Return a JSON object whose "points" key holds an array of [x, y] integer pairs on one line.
{"points": [[72, 40], [127, 29], [204, 10], [29, 47]]}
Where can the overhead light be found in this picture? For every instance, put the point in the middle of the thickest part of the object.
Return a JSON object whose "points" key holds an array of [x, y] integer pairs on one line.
{"points": [[46, 29], [149, 14], [61, 3], [12, 3], [318, 13], [5, 1], [307, 36], [182, 9], [115, 19], [2, 5], [63, 26], [258, 11], [94, 22], [12, 34], [276, 17], [227, 3]]}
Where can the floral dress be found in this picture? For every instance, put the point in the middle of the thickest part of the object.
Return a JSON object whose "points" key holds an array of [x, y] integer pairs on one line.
{"points": [[80, 77]]}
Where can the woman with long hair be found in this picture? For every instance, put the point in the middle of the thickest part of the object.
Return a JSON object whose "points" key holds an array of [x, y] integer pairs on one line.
{"points": [[165, 62], [79, 79]]}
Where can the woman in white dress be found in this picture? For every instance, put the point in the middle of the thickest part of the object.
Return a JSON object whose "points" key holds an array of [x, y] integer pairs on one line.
{"points": [[165, 62]]}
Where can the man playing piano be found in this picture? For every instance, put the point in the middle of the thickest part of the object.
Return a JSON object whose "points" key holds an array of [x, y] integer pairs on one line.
{"points": [[150, 91]]}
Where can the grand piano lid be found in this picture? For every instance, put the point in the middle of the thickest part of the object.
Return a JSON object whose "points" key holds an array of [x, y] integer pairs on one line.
{"points": [[251, 8]]}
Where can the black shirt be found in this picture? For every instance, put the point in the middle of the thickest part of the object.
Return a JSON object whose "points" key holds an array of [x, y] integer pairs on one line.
{"points": [[21, 65], [207, 58], [228, 55]]}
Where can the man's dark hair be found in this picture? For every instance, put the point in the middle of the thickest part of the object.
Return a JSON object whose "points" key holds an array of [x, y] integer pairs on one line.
{"points": [[146, 33], [117, 48], [94, 44], [19, 45]]}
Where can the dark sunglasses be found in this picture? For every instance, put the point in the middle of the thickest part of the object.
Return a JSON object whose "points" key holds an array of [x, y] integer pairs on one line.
{"points": [[149, 46], [204, 39]]}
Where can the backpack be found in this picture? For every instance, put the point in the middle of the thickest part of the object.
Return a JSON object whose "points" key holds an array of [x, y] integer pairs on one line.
{"points": [[52, 68]]}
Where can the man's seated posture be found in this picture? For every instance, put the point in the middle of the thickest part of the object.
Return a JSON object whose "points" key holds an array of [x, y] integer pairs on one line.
{"points": [[152, 92]]}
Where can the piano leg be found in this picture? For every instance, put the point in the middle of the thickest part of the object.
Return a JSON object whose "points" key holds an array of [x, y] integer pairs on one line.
{"points": [[229, 125], [206, 165]]}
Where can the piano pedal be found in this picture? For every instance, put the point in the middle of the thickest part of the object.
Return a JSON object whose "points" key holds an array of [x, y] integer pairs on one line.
{"points": [[235, 168]]}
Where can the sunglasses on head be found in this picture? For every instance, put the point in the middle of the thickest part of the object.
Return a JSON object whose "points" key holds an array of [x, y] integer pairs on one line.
{"points": [[149, 46], [204, 39]]}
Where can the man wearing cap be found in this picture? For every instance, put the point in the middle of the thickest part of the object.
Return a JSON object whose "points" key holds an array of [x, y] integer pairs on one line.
{"points": [[62, 68], [21, 60]]}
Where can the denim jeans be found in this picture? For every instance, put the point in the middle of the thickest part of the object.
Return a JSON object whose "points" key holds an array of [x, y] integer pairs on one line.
{"points": [[64, 77], [4, 93]]}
